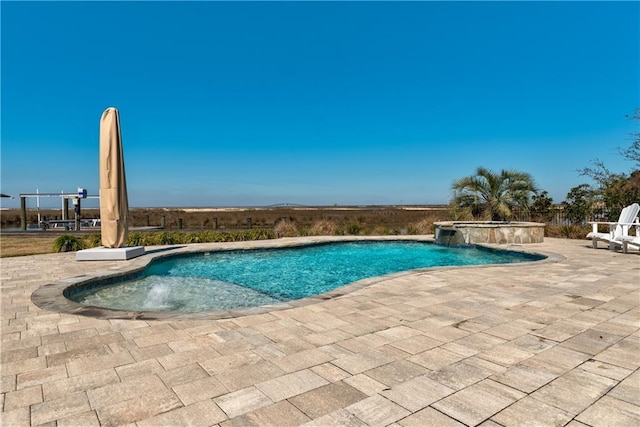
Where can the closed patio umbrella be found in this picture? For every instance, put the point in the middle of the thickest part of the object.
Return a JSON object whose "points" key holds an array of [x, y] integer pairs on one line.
{"points": [[114, 205]]}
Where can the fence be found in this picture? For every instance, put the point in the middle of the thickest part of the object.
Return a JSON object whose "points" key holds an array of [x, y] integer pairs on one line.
{"points": [[558, 216]]}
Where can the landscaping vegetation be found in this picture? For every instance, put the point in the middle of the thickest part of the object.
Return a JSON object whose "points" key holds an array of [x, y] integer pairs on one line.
{"points": [[488, 195], [68, 243], [232, 225], [493, 196], [611, 191]]}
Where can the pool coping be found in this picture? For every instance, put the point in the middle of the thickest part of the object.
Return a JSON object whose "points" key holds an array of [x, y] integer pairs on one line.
{"points": [[51, 296]]}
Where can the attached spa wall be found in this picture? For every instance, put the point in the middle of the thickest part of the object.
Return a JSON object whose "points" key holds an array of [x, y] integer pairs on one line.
{"points": [[466, 233]]}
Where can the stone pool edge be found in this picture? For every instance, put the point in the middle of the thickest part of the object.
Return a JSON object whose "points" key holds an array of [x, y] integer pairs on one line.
{"points": [[51, 296]]}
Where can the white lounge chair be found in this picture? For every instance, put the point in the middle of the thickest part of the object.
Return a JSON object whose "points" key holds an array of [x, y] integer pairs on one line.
{"points": [[628, 218], [630, 240]]}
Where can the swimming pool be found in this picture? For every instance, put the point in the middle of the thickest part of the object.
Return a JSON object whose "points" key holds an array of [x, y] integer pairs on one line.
{"points": [[227, 280]]}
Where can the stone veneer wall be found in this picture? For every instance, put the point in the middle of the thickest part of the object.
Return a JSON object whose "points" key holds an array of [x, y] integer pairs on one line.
{"points": [[467, 233]]}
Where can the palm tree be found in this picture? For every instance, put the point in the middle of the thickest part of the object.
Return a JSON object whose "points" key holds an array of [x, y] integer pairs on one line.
{"points": [[494, 195]]}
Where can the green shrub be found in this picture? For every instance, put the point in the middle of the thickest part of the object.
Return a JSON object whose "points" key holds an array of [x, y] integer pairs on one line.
{"points": [[260, 234], [211, 236], [179, 238], [195, 238], [135, 239], [165, 238], [238, 236], [93, 240], [68, 243], [354, 228]]}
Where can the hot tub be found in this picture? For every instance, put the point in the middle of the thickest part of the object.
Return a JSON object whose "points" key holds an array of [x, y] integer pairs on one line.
{"points": [[478, 232]]}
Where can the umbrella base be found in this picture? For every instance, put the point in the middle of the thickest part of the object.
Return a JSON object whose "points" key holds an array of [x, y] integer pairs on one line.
{"points": [[109, 254]]}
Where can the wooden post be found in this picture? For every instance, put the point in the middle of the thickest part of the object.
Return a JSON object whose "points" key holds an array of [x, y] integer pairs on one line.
{"points": [[78, 213], [65, 208], [23, 213]]}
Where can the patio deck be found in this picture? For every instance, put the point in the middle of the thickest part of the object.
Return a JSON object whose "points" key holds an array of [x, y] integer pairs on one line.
{"points": [[551, 343]]}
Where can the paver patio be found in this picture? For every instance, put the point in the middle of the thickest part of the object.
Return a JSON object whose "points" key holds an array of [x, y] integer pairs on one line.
{"points": [[550, 343]]}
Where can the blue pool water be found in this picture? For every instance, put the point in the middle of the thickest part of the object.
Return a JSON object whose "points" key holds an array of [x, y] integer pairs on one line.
{"points": [[237, 279]]}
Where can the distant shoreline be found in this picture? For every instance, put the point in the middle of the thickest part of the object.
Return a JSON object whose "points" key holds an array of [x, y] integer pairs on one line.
{"points": [[251, 208], [304, 208]]}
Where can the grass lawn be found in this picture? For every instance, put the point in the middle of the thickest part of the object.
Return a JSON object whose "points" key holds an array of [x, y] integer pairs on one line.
{"points": [[19, 244]]}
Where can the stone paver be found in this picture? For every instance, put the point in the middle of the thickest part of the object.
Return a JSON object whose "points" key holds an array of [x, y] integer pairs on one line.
{"points": [[609, 411], [531, 412], [396, 372], [459, 375], [281, 413], [87, 419], [417, 393], [524, 378], [365, 384], [203, 389], [22, 398], [62, 407], [551, 343], [377, 411], [327, 399], [429, 417], [242, 401], [91, 381], [339, 418], [436, 358], [362, 361], [574, 391], [291, 385], [140, 407], [478, 402], [191, 415], [628, 389]]}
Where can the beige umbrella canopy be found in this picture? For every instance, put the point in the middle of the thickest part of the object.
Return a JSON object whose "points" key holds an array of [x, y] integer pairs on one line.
{"points": [[114, 205]]}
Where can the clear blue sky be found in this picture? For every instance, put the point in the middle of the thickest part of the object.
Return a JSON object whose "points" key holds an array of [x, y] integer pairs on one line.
{"points": [[258, 103]]}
